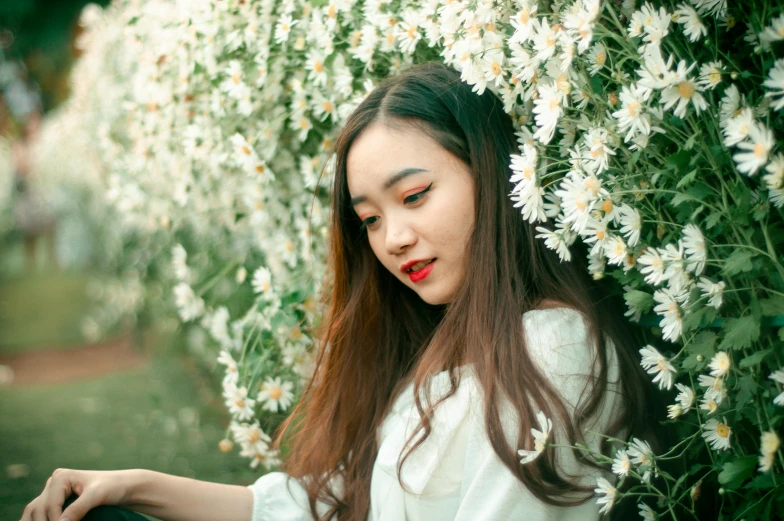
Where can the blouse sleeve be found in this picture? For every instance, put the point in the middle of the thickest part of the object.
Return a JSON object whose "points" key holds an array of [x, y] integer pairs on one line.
{"points": [[279, 497]]}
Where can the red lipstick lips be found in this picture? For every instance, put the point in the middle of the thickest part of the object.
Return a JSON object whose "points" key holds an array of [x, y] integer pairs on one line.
{"points": [[421, 273]]}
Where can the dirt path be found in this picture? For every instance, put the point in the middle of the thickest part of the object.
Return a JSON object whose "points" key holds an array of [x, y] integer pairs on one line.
{"points": [[58, 366]]}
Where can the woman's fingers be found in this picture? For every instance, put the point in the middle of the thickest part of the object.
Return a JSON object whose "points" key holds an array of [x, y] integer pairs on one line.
{"points": [[79, 508]]}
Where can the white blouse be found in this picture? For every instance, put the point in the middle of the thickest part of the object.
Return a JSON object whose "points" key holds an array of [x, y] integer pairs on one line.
{"points": [[455, 474]]}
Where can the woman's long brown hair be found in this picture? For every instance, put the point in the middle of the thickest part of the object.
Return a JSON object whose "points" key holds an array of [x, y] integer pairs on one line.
{"points": [[378, 334]]}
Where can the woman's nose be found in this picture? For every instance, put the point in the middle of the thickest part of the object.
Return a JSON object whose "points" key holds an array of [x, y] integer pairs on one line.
{"points": [[399, 237]]}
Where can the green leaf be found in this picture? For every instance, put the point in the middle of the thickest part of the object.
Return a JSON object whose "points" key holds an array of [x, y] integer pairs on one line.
{"points": [[740, 333], [701, 350], [747, 388], [680, 159], [773, 306], [738, 262], [639, 300], [681, 198], [712, 220], [734, 473], [687, 179], [754, 359], [761, 481]]}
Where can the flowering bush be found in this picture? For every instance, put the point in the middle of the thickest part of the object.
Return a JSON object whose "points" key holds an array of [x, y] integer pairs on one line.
{"points": [[646, 132]]}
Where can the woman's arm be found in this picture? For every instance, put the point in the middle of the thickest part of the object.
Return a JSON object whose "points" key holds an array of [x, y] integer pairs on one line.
{"points": [[173, 498], [166, 497]]}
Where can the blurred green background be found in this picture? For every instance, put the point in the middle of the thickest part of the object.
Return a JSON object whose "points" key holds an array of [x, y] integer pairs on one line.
{"points": [[164, 413]]}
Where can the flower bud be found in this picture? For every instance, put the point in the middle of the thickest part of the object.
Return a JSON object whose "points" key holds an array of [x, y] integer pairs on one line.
{"points": [[225, 445]]}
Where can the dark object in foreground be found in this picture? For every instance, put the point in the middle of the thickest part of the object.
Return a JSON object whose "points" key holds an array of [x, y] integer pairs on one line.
{"points": [[107, 513]]}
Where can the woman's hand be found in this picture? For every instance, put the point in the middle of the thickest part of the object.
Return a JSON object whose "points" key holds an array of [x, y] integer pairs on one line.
{"points": [[93, 487]]}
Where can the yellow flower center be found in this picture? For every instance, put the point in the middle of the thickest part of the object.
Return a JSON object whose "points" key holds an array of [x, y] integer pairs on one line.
{"points": [[686, 89], [246, 150], [275, 393], [633, 109], [524, 16], [318, 66], [760, 151], [607, 205], [722, 430], [601, 58], [714, 76], [254, 436]]}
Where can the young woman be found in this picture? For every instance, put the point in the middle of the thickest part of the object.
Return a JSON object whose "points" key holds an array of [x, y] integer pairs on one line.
{"points": [[451, 333]]}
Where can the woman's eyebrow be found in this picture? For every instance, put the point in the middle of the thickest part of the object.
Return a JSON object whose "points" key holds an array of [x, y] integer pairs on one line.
{"points": [[389, 183]]}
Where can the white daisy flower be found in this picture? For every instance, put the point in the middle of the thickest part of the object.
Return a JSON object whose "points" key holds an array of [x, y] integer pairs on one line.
{"points": [[189, 306], [710, 75], [656, 25], [685, 397], [676, 274], [241, 275], [646, 512], [523, 21], [709, 404], [715, 388], [730, 105], [775, 83], [717, 8], [233, 85], [631, 224], [738, 127], [682, 91], [632, 117], [597, 57], [596, 266], [615, 250], [555, 241], [778, 377], [653, 266], [717, 433], [774, 178], [774, 32], [655, 363], [179, 263], [283, 28], [669, 309], [547, 111], [275, 395], [720, 364], [524, 166], [530, 201], [674, 410], [621, 465], [237, 401], [408, 34], [317, 71], [694, 246], [713, 291], [769, 446], [232, 371], [606, 494], [540, 439], [693, 27], [262, 281], [250, 434], [642, 456], [544, 40], [755, 149]]}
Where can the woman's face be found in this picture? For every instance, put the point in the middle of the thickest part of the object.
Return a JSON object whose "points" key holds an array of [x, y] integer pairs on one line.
{"points": [[416, 201]]}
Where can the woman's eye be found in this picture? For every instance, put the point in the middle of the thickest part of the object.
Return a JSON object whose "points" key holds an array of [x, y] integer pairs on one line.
{"points": [[413, 198], [369, 222]]}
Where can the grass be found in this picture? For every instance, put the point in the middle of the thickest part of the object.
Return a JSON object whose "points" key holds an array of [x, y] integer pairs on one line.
{"points": [[163, 417], [41, 311], [166, 415]]}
